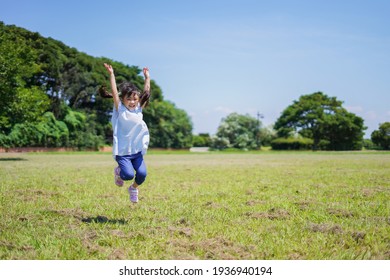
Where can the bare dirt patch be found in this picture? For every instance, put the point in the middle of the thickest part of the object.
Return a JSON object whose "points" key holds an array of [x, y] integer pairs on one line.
{"points": [[341, 213], [272, 214], [212, 249], [325, 228]]}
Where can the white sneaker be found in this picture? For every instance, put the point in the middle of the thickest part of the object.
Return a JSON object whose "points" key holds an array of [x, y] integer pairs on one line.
{"points": [[118, 181], [133, 194]]}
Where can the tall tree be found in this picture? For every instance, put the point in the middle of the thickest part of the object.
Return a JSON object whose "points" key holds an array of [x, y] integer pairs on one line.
{"points": [[20, 101], [381, 137], [324, 120], [169, 127]]}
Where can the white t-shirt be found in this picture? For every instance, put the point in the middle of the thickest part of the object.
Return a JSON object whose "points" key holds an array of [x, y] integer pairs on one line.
{"points": [[131, 134]]}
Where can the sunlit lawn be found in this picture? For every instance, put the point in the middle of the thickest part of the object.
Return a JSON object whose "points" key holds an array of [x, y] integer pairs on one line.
{"points": [[263, 205]]}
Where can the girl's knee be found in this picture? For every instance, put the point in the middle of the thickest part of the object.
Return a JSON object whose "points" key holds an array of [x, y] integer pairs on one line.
{"points": [[142, 174], [140, 177], [127, 175]]}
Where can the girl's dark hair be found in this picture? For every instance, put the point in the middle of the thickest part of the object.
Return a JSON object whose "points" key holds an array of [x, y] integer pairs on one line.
{"points": [[127, 88], [104, 93]]}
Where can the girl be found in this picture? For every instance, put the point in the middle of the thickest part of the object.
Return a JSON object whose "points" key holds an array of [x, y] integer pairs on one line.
{"points": [[130, 133]]}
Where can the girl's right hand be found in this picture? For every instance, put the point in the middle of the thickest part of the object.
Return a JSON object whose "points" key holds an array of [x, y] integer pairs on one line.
{"points": [[109, 68]]}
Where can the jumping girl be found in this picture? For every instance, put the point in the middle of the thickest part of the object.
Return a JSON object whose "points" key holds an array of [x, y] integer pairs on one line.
{"points": [[130, 132]]}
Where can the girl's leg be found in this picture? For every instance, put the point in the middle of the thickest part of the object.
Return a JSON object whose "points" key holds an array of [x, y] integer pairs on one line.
{"points": [[129, 164], [140, 170], [126, 166]]}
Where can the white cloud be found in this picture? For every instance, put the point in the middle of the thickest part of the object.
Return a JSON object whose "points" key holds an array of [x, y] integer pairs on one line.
{"points": [[223, 109]]}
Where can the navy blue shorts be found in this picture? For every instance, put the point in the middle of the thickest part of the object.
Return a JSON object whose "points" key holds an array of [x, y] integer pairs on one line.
{"points": [[132, 165]]}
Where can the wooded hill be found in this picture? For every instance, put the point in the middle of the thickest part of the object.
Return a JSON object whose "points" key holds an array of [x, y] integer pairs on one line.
{"points": [[49, 97]]}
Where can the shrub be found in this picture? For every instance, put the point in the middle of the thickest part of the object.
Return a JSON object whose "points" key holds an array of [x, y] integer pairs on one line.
{"points": [[292, 144]]}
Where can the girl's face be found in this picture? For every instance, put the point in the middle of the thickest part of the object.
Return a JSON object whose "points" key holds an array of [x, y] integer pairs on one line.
{"points": [[131, 101]]}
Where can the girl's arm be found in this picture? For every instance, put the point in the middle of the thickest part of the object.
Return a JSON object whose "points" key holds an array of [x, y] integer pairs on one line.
{"points": [[114, 89], [146, 93], [147, 79]]}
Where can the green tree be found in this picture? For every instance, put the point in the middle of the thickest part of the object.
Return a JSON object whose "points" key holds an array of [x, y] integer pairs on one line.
{"points": [[20, 100], [381, 137], [323, 119], [201, 140], [237, 131], [83, 130], [266, 135], [169, 127], [48, 132]]}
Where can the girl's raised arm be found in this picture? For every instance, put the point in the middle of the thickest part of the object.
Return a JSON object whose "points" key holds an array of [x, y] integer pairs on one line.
{"points": [[146, 93], [147, 79], [114, 89]]}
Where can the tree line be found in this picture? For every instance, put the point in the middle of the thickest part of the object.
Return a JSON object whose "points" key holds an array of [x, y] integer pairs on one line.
{"points": [[49, 98], [314, 122]]}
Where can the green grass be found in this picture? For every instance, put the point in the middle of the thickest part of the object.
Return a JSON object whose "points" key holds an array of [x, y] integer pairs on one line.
{"points": [[260, 205]]}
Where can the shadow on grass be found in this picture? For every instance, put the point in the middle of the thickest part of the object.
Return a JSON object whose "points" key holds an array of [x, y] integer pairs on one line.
{"points": [[103, 220], [12, 159]]}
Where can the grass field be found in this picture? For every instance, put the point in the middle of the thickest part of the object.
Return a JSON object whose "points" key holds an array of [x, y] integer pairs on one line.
{"points": [[264, 205]]}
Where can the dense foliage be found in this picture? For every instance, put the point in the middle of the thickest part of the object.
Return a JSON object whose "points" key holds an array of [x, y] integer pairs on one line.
{"points": [[201, 140], [292, 143], [324, 120], [49, 97], [240, 132], [381, 137]]}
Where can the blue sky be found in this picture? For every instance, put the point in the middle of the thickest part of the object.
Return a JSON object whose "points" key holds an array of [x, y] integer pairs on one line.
{"points": [[215, 57]]}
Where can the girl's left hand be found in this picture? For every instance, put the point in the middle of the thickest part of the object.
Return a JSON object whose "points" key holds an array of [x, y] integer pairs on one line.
{"points": [[109, 68], [146, 72]]}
